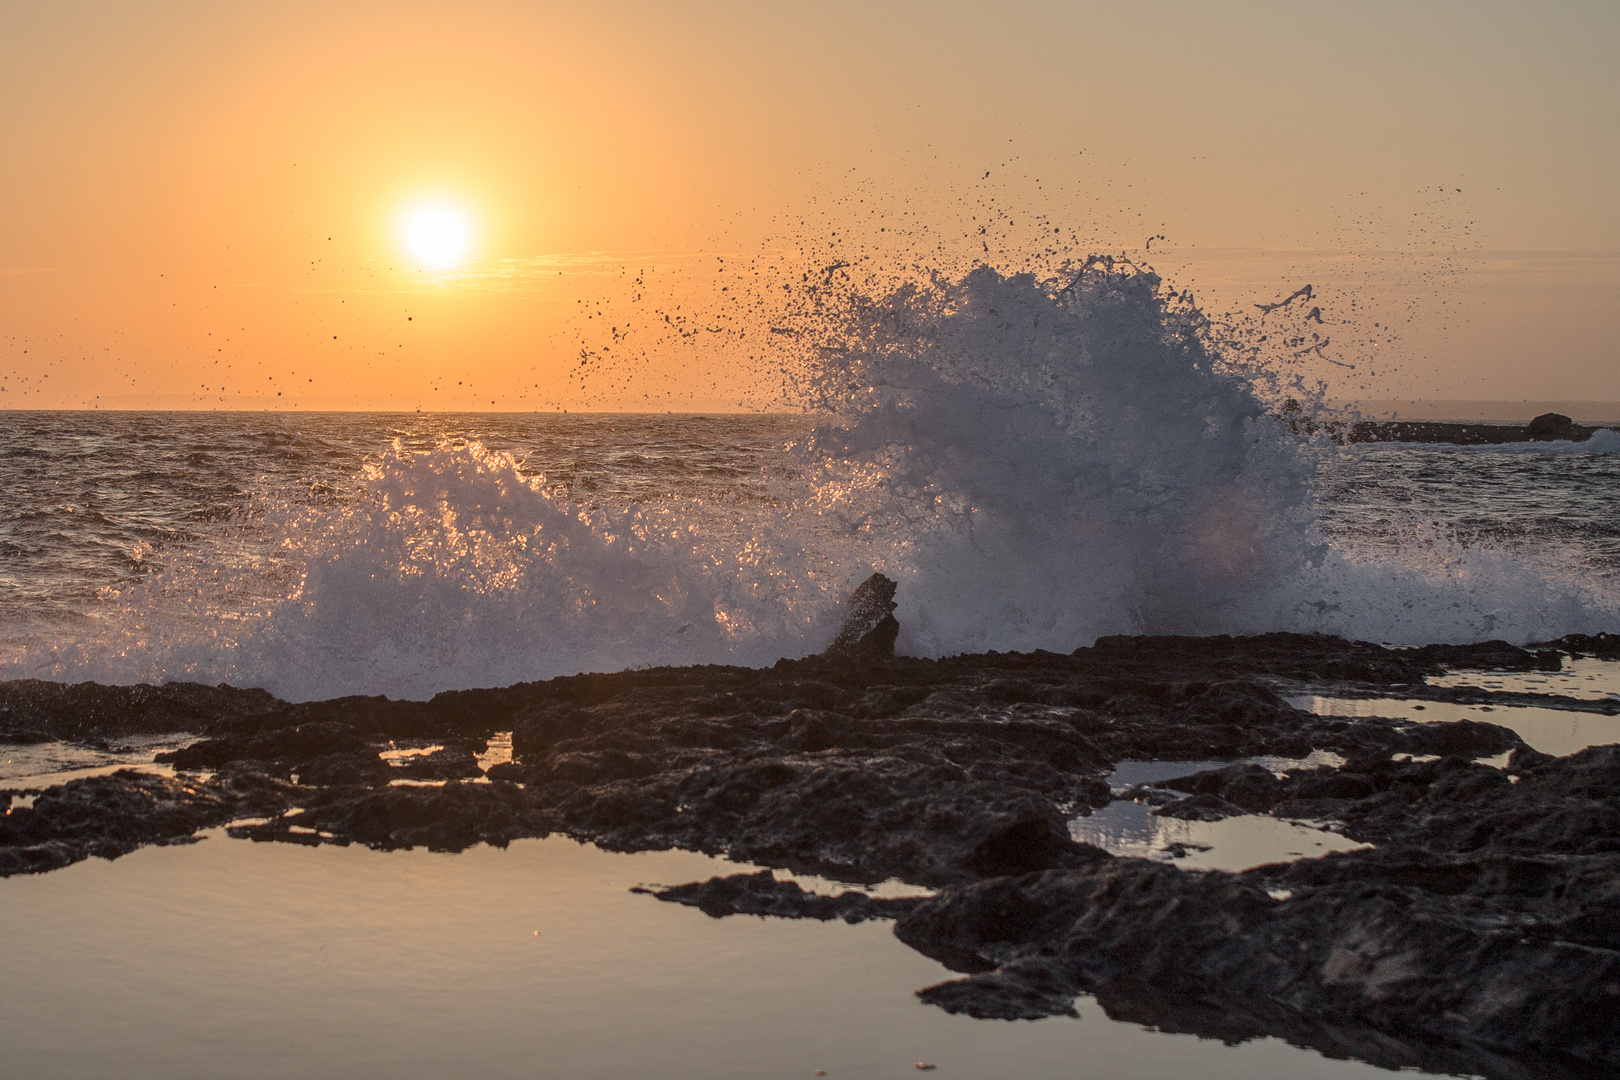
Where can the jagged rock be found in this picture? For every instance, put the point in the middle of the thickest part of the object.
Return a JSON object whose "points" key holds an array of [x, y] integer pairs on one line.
{"points": [[1487, 888], [289, 744], [107, 816], [1199, 808], [446, 763], [453, 817], [77, 710], [1552, 426], [1604, 645], [870, 628], [1242, 788], [1350, 950], [355, 769], [762, 894]]}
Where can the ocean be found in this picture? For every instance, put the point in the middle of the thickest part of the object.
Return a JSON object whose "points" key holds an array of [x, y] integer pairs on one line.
{"points": [[1036, 464], [1036, 461], [320, 554]]}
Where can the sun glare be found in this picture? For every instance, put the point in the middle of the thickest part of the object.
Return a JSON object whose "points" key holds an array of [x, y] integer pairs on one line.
{"points": [[435, 234]]}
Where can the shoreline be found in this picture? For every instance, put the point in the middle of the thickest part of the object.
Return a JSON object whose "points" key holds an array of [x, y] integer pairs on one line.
{"points": [[1486, 887], [1459, 434]]}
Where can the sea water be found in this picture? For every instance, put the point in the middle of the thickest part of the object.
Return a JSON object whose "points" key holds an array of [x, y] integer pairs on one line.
{"points": [[1036, 464], [321, 554], [273, 960]]}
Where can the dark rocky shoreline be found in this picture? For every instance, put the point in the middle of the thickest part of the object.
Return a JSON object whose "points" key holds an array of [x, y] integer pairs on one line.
{"points": [[1480, 933], [1435, 431], [1548, 427]]}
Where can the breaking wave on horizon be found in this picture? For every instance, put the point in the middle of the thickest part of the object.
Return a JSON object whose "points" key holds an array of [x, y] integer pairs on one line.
{"points": [[1037, 460]]}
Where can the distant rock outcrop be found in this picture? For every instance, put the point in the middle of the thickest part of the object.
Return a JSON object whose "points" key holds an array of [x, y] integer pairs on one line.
{"points": [[1550, 427], [870, 628]]}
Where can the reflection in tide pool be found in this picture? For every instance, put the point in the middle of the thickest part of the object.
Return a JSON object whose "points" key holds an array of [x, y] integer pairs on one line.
{"points": [[1582, 677], [1126, 827], [1559, 732], [1130, 828], [269, 960], [42, 765]]}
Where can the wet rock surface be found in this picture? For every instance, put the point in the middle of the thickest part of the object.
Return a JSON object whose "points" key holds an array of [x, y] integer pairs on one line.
{"points": [[1362, 951], [761, 894], [1603, 645], [870, 628], [1480, 933], [1551, 426], [107, 816], [92, 711], [1544, 428], [445, 763]]}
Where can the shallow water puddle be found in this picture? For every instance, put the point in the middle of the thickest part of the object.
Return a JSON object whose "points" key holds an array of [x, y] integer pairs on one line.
{"points": [[498, 751], [273, 960], [1134, 771], [1127, 827], [1130, 828], [396, 753], [1552, 731], [1582, 677], [1130, 773], [41, 765], [889, 889]]}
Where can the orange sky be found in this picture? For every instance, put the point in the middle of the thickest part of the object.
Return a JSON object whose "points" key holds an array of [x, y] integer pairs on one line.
{"points": [[199, 205]]}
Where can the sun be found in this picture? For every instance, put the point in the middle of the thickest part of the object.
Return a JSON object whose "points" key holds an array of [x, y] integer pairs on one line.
{"points": [[436, 234]]}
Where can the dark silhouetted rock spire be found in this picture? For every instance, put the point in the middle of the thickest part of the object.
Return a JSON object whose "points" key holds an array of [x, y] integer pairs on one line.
{"points": [[870, 627]]}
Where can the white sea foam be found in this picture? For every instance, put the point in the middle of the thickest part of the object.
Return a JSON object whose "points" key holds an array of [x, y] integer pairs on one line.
{"points": [[1038, 462], [450, 569], [1044, 462]]}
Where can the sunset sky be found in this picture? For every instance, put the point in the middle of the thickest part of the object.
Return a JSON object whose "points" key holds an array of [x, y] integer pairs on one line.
{"points": [[209, 205]]}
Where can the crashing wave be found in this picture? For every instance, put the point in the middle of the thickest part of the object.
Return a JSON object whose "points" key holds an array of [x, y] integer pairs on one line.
{"points": [[1037, 461]]}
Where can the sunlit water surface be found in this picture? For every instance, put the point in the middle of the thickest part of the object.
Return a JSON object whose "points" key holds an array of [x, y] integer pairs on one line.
{"points": [[1552, 731], [228, 958], [232, 958]]}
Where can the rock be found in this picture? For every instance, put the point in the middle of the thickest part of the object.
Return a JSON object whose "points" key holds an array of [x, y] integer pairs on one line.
{"points": [[1553, 426], [1347, 953], [453, 817], [287, 745], [870, 628], [1479, 935], [1238, 788], [1491, 655], [446, 763], [107, 816], [1460, 738], [537, 730], [1199, 808], [1603, 645], [510, 772], [355, 769], [73, 711], [762, 894]]}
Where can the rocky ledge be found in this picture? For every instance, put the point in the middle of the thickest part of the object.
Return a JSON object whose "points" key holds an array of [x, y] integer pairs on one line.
{"points": [[1478, 934], [1548, 427]]}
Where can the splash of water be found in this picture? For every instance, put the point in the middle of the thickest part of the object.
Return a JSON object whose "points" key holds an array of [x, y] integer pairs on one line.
{"points": [[1044, 461], [449, 568], [1038, 460]]}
